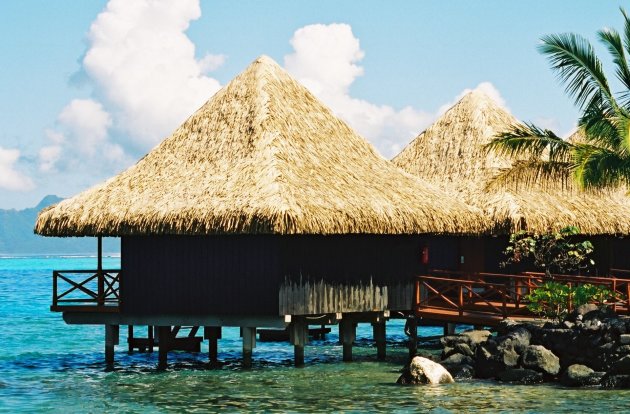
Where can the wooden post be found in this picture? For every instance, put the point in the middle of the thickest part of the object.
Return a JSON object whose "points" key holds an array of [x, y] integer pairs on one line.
{"points": [[378, 329], [412, 326], [212, 334], [249, 343], [150, 336], [130, 338], [99, 271], [449, 329], [347, 335], [111, 339], [164, 339], [298, 334]]}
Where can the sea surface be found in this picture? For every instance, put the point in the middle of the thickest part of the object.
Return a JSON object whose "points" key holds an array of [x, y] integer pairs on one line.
{"points": [[48, 366]]}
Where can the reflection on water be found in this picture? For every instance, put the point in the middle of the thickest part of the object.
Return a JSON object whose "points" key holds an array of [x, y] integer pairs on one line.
{"points": [[46, 365]]}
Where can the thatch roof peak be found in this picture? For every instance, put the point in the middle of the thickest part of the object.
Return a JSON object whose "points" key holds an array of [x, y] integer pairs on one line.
{"points": [[263, 155], [450, 153]]}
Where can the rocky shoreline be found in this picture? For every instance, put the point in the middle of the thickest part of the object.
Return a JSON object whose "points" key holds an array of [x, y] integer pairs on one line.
{"points": [[591, 347]]}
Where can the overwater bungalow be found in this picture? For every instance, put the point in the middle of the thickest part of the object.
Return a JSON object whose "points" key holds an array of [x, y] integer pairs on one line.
{"points": [[262, 209], [451, 155]]}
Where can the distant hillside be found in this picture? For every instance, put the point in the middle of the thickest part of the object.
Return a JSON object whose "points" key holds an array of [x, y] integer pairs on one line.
{"points": [[17, 237]]}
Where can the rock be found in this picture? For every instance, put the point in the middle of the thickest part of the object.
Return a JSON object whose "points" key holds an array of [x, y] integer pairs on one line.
{"points": [[621, 366], [487, 365], [476, 337], [615, 381], [448, 351], [624, 339], [424, 371], [580, 375], [568, 325], [452, 340], [624, 349], [599, 314], [518, 339], [458, 359], [461, 371], [521, 375], [506, 325], [464, 349], [508, 356], [541, 359]]}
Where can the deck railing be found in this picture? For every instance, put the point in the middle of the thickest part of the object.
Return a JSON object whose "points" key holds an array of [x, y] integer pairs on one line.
{"points": [[500, 295], [86, 290]]}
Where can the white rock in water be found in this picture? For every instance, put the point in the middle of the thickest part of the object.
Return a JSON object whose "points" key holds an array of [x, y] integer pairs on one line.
{"points": [[425, 371]]}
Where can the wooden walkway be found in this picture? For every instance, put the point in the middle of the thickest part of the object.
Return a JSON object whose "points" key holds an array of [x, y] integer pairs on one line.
{"points": [[488, 298]]}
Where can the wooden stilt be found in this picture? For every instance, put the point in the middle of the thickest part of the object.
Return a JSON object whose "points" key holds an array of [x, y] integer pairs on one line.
{"points": [[150, 337], [347, 335], [212, 334], [412, 330], [449, 329], [111, 340], [249, 343], [378, 330], [164, 337], [298, 335], [130, 338]]}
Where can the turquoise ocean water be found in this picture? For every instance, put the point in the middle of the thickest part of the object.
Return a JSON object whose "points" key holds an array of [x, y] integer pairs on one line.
{"points": [[48, 366]]}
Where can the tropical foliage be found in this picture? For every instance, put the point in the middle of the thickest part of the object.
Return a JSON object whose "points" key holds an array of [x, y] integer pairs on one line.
{"points": [[553, 299], [601, 158], [552, 252]]}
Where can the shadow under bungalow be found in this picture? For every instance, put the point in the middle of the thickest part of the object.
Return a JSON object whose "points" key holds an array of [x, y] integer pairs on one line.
{"points": [[264, 210]]}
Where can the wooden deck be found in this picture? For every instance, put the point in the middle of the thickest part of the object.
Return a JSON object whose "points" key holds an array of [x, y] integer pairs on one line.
{"points": [[488, 298]]}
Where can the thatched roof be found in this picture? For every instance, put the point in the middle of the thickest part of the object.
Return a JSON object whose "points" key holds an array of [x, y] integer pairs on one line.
{"points": [[263, 155], [451, 154]]}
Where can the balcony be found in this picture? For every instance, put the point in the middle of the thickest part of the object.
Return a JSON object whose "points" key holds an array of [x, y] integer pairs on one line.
{"points": [[86, 290]]}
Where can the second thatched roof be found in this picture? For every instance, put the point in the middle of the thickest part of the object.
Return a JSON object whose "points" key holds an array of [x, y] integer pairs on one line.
{"points": [[451, 154], [263, 155]]}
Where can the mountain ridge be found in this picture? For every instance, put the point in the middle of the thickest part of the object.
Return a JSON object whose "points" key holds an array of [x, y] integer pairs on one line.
{"points": [[17, 236]]}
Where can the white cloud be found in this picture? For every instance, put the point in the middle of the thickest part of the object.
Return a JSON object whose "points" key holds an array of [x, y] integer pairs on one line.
{"points": [[145, 81], [87, 121], [325, 60], [143, 65], [10, 178], [48, 157]]}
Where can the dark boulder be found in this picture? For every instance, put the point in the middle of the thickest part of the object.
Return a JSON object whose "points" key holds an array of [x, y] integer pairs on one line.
{"points": [[459, 372], [615, 381], [475, 337], [580, 375], [521, 376], [458, 359], [464, 349], [541, 359], [487, 365], [621, 366]]}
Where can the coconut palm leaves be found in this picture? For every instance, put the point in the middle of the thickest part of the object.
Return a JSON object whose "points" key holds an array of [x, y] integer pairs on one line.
{"points": [[601, 158]]}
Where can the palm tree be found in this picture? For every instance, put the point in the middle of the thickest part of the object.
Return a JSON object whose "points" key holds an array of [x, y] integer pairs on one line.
{"points": [[601, 158]]}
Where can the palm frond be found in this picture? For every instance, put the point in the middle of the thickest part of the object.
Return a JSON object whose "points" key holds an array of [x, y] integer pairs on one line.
{"points": [[612, 41], [577, 66], [530, 141], [600, 128], [599, 167], [532, 173]]}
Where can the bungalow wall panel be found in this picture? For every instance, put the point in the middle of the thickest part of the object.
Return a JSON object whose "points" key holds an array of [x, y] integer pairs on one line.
{"points": [[199, 275]]}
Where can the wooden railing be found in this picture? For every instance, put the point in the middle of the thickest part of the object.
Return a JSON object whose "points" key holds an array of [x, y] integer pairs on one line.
{"points": [[451, 293], [99, 291]]}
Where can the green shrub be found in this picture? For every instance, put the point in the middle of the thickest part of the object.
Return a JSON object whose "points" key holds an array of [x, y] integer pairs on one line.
{"points": [[551, 299]]}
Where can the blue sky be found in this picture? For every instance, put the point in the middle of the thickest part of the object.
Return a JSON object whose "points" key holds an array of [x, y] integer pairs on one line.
{"points": [[86, 88]]}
